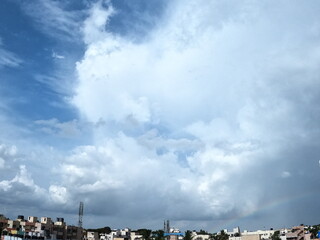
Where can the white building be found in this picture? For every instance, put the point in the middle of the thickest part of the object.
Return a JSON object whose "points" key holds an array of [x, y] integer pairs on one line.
{"points": [[264, 234]]}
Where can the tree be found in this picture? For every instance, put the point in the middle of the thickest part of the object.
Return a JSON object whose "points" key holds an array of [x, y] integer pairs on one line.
{"points": [[314, 230], [212, 236], [106, 230], [223, 235], [188, 235], [219, 236], [146, 233], [158, 235], [276, 236]]}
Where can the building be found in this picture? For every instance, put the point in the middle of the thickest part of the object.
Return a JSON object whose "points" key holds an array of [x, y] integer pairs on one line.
{"points": [[92, 236], [105, 236], [32, 219], [251, 237], [298, 233], [199, 236], [121, 234], [173, 234], [73, 233], [3, 221], [13, 224]]}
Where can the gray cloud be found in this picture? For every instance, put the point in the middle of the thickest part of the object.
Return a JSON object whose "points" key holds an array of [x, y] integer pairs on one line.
{"points": [[240, 84], [211, 121], [63, 129]]}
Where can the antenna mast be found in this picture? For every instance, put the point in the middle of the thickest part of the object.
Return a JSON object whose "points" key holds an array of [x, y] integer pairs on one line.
{"points": [[80, 215]]}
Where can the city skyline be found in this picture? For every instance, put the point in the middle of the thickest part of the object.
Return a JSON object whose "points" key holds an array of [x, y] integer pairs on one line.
{"points": [[202, 112], [166, 227]]}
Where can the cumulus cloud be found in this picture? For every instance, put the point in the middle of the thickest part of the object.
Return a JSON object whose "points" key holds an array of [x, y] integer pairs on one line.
{"points": [[237, 79], [125, 166], [94, 25], [23, 192], [19, 187], [58, 194], [8, 151], [7, 155], [196, 121]]}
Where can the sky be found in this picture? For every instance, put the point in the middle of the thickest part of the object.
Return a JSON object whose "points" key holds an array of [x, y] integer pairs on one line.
{"points": [[205, 113]]}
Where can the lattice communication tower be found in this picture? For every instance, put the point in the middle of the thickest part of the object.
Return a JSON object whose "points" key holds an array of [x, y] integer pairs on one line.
{"points": [[80, 215]]}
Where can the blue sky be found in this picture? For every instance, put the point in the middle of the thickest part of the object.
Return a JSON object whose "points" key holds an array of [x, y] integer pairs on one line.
{"points": [[204, 113]]}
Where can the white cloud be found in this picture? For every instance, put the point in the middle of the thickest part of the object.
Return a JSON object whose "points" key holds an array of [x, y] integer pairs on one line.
{"points": [[7, 58], [195, 116], [125, 169], [217, 78], [24, 193], [53, 19], [22, 183], [8, 151], [57, 56], [63, 129], [285, 174], [58, 194], [94, 25], [8, 155]]}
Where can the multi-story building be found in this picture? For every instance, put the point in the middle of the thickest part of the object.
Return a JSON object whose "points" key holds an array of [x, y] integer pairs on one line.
{"points": [[59, 229], [105, 236], [174, 234], [92, 236], [46, 226], [43, 229], [3, 221], [298, 233], [133, 236], [199, 236], [249, 235], [13, 224], [121, 234], [73, 233], [28, 228], [262, 234], [46, 220], [32, 219], [20, 218]]}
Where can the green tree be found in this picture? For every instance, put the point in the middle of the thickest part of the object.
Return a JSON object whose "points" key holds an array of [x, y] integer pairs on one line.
{"points": [[223, 235], [212, 236], [314, 230], [188, 235], [276, 236], [146, 233], [219, 236], [106, 230], [158, 235]]}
